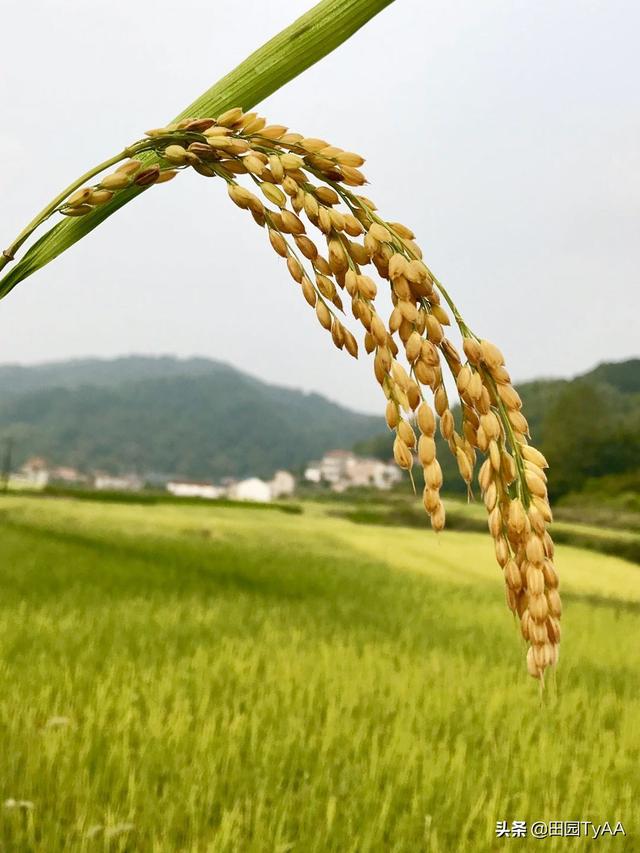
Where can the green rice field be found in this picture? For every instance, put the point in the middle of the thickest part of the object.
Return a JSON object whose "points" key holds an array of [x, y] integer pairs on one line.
{"points": [[203, 678]]}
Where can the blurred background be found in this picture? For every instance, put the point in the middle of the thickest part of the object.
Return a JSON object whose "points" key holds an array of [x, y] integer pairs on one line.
{"points": [[225, 622]]}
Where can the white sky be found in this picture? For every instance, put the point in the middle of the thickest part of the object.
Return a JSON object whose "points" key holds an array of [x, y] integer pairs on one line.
{"points": [[505, 133]]}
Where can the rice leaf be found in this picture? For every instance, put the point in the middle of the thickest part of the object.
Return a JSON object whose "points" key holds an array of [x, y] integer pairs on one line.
{"points": [[296, 48]]}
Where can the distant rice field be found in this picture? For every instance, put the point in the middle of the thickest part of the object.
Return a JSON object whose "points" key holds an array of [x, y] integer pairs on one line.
{"points": [[225, 679]]}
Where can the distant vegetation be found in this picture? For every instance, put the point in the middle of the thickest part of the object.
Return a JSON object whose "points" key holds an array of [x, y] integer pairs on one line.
{"points": [[196, 418], [588, 427], [201, 418], [597, 528]]}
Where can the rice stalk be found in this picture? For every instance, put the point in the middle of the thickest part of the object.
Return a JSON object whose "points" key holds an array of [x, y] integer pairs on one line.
{"points": [[286, 182]]}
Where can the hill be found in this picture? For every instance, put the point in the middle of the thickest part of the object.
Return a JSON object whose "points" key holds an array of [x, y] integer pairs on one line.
{"points": [[103, 373], [194, 417]]}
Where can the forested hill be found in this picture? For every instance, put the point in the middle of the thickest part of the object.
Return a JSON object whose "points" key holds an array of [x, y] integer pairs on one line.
{"points": [[18, 379], [202, 418], [193, 417]]}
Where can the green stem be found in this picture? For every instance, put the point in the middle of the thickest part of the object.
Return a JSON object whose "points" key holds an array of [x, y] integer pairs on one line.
{"points": [[353, 202], [295, 49], [523, 489], [45, 213]]}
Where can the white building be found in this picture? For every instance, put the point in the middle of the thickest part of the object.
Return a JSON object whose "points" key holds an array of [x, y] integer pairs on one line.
{"points": [[343, 469], [313, 472], [68, 475], [373, 472], [117, 483], [334, 465], [252, 489], [282, 484], [34, 474], [193, 489]]}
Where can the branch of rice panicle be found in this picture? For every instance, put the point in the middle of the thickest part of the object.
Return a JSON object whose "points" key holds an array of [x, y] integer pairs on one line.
{"points": [[306, 183], [296, 48]]}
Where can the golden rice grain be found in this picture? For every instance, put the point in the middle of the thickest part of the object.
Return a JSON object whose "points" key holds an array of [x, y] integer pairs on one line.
{"points": [[306, 180]]}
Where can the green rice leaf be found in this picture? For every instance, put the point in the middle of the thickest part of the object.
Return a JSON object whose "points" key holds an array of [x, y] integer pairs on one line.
{"points": [[293, 50]]}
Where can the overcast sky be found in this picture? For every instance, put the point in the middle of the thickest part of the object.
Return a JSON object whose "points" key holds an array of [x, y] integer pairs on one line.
{"points": [[505, 133]]}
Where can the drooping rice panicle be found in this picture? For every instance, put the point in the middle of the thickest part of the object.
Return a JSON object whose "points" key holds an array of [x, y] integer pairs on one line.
{"points": [[303, 178]]}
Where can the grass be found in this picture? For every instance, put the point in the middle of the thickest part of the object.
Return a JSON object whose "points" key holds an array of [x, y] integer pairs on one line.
{"points": [[236, 680], [582, 530], [148, 497]]}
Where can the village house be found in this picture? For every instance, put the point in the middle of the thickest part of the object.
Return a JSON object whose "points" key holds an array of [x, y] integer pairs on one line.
{"points": [[334, 466], [67, 475], [343, 469], [117, 483], [282, 484], [313, 472], [34, 474], [251, 489], [194, 489]]}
